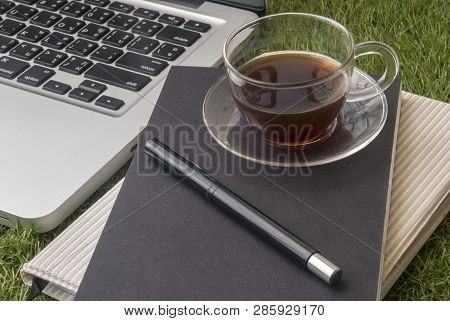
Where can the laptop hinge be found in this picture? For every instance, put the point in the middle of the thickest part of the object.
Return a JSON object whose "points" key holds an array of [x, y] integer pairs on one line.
{"points": [[187, 3], [257, 6]]}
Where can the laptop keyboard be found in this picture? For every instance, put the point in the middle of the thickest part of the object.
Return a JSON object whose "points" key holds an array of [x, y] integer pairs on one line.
{"points": [[102, 42]]}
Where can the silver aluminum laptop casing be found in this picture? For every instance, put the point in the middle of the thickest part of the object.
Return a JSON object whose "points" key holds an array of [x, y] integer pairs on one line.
{"points": [[55, 154]]}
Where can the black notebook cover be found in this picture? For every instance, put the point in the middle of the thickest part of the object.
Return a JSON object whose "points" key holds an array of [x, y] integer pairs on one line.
{"points": [[163, 241]]}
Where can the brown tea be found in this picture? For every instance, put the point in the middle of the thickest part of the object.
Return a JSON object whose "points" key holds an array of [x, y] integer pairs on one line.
{"points": [[292, 116]]}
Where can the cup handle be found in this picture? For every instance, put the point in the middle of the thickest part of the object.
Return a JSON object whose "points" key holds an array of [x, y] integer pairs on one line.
{"points": [[390, 73]]}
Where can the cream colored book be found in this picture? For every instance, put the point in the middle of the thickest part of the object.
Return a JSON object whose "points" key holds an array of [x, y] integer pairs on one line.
{"points": [[419, 202]]}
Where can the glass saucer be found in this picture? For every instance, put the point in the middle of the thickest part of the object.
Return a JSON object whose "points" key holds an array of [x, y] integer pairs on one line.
{"points": [[358, 123]]}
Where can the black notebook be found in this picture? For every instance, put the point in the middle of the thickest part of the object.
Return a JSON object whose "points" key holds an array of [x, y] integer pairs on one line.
{"points": [[164, 241]]}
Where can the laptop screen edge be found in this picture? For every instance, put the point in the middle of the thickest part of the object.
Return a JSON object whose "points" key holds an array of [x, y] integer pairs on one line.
{"points": [[257, 6]]}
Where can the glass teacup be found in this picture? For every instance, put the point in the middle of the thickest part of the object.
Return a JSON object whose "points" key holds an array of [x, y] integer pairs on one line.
{"points": [[290, 75]]}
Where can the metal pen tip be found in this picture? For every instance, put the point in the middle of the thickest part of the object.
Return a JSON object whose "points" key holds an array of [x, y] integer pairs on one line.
{"points": [[324, 269]]}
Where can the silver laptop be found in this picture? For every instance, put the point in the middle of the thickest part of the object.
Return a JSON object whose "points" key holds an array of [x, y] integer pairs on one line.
{"points": [[80, 79]]}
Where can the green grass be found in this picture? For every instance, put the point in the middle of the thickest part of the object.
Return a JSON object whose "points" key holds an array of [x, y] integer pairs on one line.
{"points": [[418, 31]]}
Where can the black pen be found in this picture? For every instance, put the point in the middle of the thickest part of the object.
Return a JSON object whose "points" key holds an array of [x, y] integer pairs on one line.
{"points": [[303, 253]]}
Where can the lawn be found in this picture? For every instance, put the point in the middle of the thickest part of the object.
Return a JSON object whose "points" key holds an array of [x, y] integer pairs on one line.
{"points": [[418, 30]]}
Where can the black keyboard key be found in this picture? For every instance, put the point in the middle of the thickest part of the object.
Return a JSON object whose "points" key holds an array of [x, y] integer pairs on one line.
{"points": [[69, 25], [75, 65], [10, 27], [99, 15], [26, 51], [75, 9], [147, 28], [83, 95], [143, 45], [93, 87], [197, 26], [56, 87], [10, 68], [6, 44], [57, 40], [142, 64], [168, 51], [171, 19], [21, 12], [81, 47], [120, 6], [50, 58], [106, 54], [33, 34], [109, 102], [27, 1], [118, 38], [5, 5], [122, 21], [117, 77], [36, 76], [93, 32], [178, 36], [146, 13], [51, 5], [100, 3], [45, 19]]}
